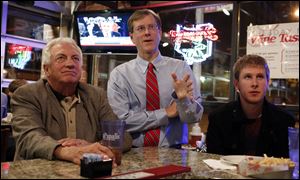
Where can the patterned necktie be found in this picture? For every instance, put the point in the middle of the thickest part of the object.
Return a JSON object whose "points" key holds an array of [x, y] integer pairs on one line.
{"points": [[152, 95]]}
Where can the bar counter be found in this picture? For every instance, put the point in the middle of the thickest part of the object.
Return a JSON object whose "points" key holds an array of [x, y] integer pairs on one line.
{"points": [[134, 160]]}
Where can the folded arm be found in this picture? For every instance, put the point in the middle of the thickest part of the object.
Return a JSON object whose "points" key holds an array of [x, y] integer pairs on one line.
{"points": [[126, 104], [188, 101]]}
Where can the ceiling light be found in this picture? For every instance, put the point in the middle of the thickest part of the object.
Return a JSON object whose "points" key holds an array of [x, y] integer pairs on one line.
{"points": [[296, 13], [202, 79], [225, 11], [165, 44]]}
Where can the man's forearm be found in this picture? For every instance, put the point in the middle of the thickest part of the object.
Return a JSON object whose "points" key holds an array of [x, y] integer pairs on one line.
{"points": [[63, 153]]}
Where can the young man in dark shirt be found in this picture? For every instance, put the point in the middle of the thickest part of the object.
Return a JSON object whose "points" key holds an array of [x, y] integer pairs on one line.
{"points": [[251, 125]]}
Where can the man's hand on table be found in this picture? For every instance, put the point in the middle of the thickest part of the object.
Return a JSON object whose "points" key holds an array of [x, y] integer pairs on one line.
{"points": [[73, 142], [73, 150]]}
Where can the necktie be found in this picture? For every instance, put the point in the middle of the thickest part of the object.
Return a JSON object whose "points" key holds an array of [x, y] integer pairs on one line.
{"points": [[152, 98]]}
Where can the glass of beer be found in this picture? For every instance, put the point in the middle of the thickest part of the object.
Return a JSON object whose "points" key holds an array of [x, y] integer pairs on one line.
{"points": [[113, 137]]}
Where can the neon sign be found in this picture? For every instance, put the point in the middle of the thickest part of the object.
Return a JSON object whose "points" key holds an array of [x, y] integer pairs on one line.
{"points": [[194, 43], [19, 55]]}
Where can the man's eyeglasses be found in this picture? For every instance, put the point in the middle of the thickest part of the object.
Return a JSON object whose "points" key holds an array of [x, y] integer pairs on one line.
{"points": [[62, 59], [142, 28]]}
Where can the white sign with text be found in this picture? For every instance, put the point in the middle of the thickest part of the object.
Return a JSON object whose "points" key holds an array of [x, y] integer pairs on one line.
{"points": [[279, 45]]}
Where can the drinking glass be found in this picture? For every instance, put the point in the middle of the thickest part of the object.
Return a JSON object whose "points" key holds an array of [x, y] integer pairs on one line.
{"points": [[113, 136], [294, 149]]}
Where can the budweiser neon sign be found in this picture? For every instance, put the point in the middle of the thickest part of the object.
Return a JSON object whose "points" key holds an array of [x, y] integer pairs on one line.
{"points": [[194, 43]]}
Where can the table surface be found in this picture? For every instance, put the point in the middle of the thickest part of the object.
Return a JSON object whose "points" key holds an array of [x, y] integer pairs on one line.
{"points": [[134, 160]]}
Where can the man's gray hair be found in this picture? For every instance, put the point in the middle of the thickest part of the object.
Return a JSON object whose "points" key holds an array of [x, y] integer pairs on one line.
{"points": [[46, 56], [46, 50]]}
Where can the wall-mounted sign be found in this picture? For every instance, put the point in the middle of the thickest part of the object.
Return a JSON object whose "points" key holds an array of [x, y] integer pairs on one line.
{"points": [[279, 45], [194, 43], [19, 55]]}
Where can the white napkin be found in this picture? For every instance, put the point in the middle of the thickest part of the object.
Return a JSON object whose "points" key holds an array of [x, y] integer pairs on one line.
{"points": [[8, 118], [217, 164]]}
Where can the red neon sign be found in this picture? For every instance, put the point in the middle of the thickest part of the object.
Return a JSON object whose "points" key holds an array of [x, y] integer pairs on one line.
{"points": [[200, 32], [194, 43]]}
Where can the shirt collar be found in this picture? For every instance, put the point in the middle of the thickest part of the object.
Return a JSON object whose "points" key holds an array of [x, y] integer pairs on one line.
{"points": [[143, 64], [60, 96]]}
